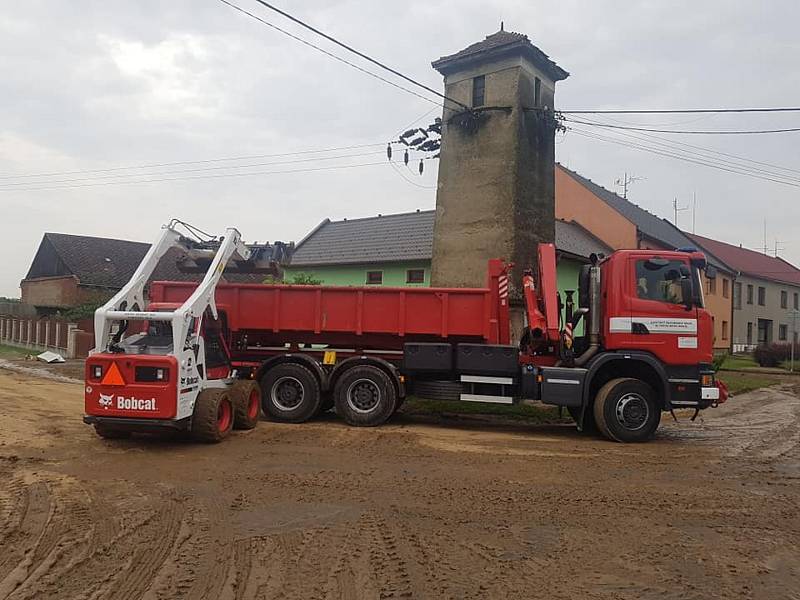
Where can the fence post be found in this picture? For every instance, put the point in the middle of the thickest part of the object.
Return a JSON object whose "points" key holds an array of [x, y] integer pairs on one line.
{"points": [[28, 332], [72, 340], [47, 334]]}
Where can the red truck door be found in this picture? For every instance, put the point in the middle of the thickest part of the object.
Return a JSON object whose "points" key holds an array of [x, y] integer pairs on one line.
{"points": [[661, 320]]}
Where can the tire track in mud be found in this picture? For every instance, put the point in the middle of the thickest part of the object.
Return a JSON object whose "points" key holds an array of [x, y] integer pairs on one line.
{"points": [[23, 544], [149, 553], [200, 558], [67, 538], [389, 566]]}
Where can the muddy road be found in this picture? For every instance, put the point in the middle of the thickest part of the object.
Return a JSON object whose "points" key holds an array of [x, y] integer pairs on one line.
{"points": [[415, 509]]}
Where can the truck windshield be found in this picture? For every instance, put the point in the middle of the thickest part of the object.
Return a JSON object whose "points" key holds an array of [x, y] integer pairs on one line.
{"points": [[660, 280]]}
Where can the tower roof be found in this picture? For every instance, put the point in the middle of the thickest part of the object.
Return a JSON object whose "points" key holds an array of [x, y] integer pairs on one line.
{"points": [[497, 45]]}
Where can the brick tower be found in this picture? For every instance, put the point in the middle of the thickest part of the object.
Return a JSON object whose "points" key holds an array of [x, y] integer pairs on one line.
{"points": [[496, 192]]}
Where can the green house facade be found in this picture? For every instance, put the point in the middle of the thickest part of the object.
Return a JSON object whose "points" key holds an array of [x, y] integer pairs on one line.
{"points": [[396, 250]]}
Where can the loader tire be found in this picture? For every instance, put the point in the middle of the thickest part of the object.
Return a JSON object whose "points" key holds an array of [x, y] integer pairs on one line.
{"points": [[364, 396], [290, 393], [626, 410], [212, 419], [246, 398], [110, 433]]}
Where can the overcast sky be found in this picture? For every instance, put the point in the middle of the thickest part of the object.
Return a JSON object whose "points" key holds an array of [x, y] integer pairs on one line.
{"points": [[88, 85]]}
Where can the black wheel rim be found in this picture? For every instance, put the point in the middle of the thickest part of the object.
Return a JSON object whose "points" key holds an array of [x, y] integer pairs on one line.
{"points": [[632, 411], [287, 393], [363, 395]]}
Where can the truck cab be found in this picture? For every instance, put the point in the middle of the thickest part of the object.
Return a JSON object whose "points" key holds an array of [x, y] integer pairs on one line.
{"points": [[653, 302]]}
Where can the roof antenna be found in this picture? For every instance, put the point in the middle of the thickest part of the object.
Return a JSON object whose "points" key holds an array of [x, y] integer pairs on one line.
{"points": [[501, 26]]}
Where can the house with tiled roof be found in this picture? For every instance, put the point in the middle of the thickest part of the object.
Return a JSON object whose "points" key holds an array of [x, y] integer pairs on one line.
{"points": [[766, 295], [622, 224], [73, 270], [396, 250]]}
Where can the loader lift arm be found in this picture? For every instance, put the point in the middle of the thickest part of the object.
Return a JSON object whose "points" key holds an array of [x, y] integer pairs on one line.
{"points": [[128, 302]]}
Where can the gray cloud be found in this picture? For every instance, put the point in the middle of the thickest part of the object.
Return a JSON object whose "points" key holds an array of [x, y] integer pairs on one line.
{"points": [[91, 85]]}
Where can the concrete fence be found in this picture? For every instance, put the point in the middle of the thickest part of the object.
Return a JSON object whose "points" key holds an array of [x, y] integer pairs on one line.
{"points": [[39, 335]]}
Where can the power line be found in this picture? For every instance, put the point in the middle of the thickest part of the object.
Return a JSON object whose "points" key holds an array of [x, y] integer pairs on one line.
{"points": [[681, 111], [357, 53], [414, 183], [330, 54], [192, 162], [415, 121], [675, 154], [739, 171], [187, 178], [711, 132], [9, 186], [673, 145]]}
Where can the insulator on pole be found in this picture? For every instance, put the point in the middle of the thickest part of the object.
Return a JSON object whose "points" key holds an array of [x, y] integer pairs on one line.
{"points": [[389, 151], [405, 158], [421, 166]]}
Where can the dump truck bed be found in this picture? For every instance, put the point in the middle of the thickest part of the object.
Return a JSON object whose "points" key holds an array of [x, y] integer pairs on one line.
{"points": [[365, 317]]}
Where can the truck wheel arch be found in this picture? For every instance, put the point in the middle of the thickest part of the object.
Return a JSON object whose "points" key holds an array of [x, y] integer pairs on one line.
{"points": [[392, 371], [638, 365], [325, 382]]}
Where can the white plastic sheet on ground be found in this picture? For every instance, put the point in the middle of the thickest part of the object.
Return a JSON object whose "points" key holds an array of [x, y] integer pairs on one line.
{"points": [[50, 357]]}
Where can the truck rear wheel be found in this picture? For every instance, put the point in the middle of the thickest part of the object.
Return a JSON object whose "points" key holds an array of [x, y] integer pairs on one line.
{"points": [[626, 410], [290, 393], [246, 398], [212, 419], [364, 396]]}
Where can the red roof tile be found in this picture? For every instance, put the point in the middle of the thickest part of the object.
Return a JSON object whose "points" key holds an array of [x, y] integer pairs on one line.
{"points": [[750, 262]]}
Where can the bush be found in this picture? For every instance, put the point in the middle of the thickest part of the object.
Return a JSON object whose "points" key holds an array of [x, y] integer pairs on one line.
{"points": [[772, 355], [718, 360], [297, 279]]}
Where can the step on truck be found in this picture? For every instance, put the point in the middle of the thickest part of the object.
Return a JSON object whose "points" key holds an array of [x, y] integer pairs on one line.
{"points": [[635, 343]]}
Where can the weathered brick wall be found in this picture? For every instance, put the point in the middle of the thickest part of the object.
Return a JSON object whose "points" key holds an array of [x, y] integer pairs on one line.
{"points": [[52, 292]]}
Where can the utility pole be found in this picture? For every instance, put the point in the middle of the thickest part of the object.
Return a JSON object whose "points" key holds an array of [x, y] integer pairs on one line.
{"points": [[676, 210], [694, 209], [765, 236], [625, 182], [794, 314]]}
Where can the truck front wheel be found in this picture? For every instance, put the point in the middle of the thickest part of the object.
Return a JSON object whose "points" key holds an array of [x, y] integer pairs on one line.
{"points": [[290, 393], [364, 396], [626, 410]]}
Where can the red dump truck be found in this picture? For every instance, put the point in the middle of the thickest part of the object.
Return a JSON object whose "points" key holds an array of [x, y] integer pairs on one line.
{"points": [[645, 348]]}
